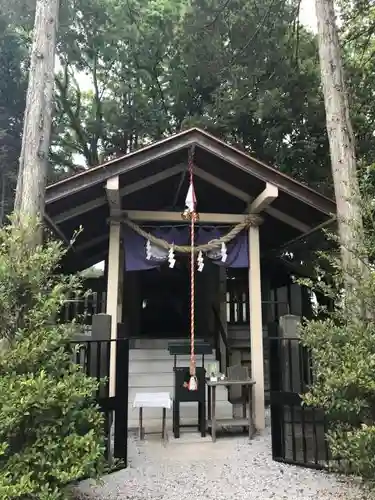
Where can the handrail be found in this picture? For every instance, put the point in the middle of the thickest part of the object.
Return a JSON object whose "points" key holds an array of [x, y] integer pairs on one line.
{"points": [[220, 333]]}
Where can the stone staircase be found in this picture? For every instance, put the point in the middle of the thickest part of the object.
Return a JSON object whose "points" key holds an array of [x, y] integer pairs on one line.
{"points": [[151, 370]]}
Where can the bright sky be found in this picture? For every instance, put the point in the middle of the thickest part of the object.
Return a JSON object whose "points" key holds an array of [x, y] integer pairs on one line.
{"points": [[307, 16]]}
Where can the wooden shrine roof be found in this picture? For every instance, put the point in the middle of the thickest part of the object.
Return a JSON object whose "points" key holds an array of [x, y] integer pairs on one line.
{"points": [[225, 177]]}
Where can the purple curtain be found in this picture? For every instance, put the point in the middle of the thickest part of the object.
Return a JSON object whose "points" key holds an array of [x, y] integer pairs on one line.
{"points": [[135, 247], [237, 252]]}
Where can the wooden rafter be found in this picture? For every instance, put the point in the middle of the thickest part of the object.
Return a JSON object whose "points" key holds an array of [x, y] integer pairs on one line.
{"points": [[238, 193], [126, 190], [178, 143]]}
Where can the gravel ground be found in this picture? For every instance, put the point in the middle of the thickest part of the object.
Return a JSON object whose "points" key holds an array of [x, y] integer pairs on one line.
{"points": [[193, 468]]}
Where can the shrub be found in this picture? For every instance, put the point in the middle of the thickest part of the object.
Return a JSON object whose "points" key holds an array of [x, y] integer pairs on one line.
{"points": [[342, 342], [50, 427]]}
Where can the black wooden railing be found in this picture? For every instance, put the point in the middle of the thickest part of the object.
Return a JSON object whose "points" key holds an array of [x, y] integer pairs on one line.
{"points": [[298, 431], [94, 356], [221, 342], [83, 306], [238, 307]]}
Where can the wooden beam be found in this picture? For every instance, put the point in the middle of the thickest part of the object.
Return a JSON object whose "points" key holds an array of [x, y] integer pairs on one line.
{"points": [[113, 194], [238, 193], [176, 144], [220, 184], [322, 226], [92, 242], [266, 197], [132, 161], [126, 190], [153, 179], [287, 219], [73, 265], [53, 225], [204, 218], [264, 172], [80, 209]]}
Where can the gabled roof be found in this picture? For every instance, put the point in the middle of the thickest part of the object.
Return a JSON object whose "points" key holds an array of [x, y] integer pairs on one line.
{"points": [[175, 143], [80, 199]]}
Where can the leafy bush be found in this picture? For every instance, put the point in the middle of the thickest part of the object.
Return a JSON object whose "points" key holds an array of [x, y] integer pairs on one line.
{"points": [[50, 427], [342, 342]]}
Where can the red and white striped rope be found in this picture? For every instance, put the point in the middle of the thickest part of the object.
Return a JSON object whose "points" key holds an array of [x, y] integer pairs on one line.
{"points": [[192, 272]]}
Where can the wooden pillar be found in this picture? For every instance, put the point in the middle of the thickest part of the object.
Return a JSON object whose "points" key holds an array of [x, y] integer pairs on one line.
{"points": [[115, 271], [265, 198], [256, 330], [113, 295]]}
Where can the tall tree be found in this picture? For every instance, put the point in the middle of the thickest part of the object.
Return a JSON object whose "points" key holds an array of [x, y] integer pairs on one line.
{"points": [[340, 132], [38, 113]]}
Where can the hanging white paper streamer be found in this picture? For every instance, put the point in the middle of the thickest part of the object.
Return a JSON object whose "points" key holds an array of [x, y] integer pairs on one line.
{"points": [[155, 253], [223, 251], [171, 257], [200, 261], [148, 250]]}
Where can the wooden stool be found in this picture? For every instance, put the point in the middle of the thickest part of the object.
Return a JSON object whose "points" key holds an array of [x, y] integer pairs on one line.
{"points": [[153, 400]]}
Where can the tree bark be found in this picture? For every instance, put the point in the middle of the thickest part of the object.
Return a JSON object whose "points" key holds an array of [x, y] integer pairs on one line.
{"points": [[340, 133], [31, 183]]}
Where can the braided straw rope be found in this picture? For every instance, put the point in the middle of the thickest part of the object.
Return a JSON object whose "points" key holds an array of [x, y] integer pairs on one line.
{"points": [[249, 220]]}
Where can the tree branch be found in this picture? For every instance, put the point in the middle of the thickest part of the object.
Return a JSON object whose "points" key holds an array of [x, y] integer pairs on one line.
{"points": [[220, 10], [74, 120]]}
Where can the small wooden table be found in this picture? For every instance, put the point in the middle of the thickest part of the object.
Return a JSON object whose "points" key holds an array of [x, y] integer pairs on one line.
{"points": [[153, 400], [243, 422]]}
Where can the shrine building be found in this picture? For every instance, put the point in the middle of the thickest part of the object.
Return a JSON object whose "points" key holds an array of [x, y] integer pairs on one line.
{"points": [[132, 211]]}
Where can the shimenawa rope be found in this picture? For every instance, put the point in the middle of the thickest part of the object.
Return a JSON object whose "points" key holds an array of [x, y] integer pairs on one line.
{"points": [[211, 245]]}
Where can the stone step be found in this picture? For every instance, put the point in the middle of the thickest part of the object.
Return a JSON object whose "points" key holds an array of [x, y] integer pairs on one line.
{"points": [[146, 381], [160, 365], [151, 370], [155, 343], [162, 354]]}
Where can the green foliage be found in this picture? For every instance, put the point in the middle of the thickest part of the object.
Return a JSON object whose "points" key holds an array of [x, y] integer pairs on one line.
{"points": [[12, 103], [50, 427], [358, 40], [342, 342], [134, 72]]}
